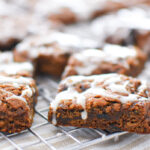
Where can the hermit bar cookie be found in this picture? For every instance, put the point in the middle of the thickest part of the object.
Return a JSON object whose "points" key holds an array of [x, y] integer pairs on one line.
{"points": [[50, 51], [17, 99], [110, 101], [112, 58], [119, 28], [6, 57], [13, 29], [25, 69], [79, 10], [10, 68]]}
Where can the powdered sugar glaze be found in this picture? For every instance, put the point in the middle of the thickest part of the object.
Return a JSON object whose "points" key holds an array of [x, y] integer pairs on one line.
{"points": [[91, 59], [55, 43], [15, 68], [17, 83]]}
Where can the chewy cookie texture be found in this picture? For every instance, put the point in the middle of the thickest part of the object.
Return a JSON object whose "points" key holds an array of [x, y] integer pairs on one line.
{"points": [[50, 52], [110, 101], [18, 96], [112, 58]]}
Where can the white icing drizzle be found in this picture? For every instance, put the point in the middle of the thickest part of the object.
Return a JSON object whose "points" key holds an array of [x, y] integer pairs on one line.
{"points": [[118, 25], [37, 26], [8, 9], [17, 97], [17, 83], [54, 121], [116, 87], [83, 9], [16, 68], [44, 44], [27, 91], [6, 57], [84, 114], [17, 27], [119, 51], [91, 59]]}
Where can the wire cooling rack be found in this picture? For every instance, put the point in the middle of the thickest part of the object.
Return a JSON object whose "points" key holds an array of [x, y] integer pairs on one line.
{"points": [[43, 135]]}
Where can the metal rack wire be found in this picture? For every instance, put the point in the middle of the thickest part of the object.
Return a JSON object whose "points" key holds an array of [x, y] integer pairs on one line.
{"points": [[43, 135]]}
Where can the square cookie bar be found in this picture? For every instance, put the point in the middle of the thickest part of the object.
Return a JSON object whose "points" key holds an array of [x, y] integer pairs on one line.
{"points": [[110, 101], [118, 28], [13, 29], [16, 25], [112, 58], [10, 68], [25, 69], [79, 10], [6, 57], [18, 96], [50, 52]]}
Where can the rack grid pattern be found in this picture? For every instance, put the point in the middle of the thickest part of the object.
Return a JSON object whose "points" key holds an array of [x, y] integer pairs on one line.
{"points": [[43, 135]]}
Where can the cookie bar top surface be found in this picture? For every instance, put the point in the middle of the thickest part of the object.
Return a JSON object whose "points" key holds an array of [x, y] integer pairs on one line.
{"points": [[8, 9], [111, 87], [89, 60], [19, 88], [119, 25], [53, 43], [36, 26], [119, 52], [83, 11], [6, 57], [16, 27], [24, 69]]}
